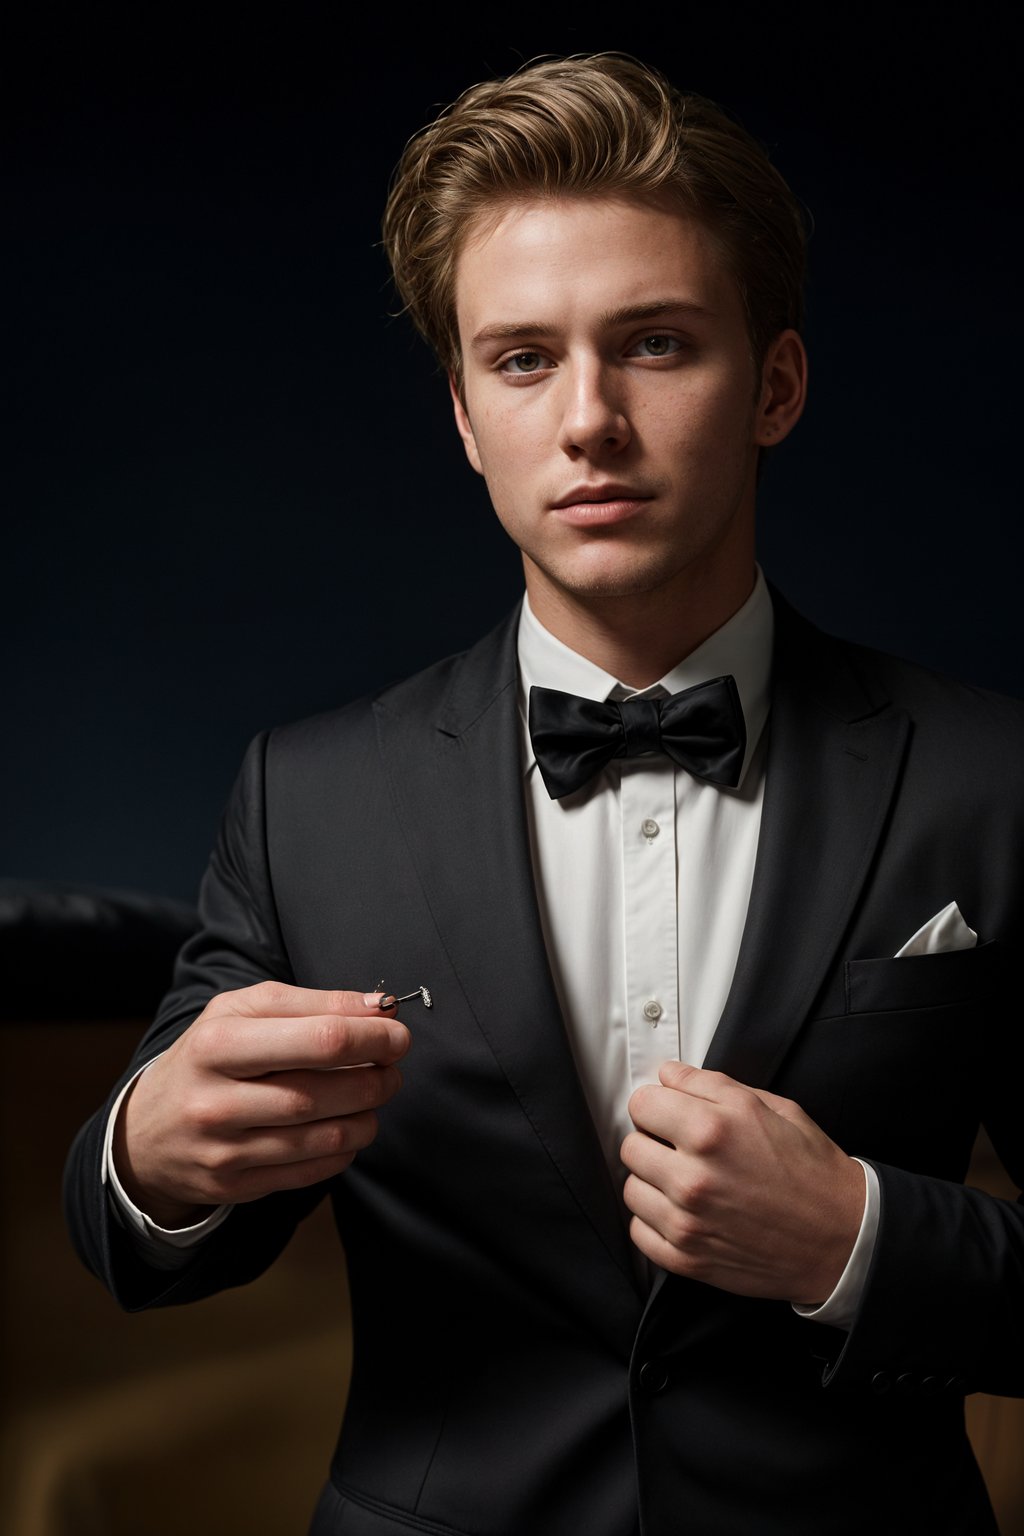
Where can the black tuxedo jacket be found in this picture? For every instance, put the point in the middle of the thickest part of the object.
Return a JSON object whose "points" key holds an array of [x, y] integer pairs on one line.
{"points": [[510, 1379]]}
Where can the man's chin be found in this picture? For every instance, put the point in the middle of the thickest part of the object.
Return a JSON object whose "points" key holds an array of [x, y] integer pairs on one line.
{"points": [[602, 583]]}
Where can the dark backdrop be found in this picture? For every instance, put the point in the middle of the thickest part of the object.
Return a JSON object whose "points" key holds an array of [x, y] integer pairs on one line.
{"points": [[234, 494]]}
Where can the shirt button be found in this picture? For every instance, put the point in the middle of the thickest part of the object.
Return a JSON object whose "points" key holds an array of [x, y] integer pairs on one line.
{"points": [[653, 1010], [650, 829]]}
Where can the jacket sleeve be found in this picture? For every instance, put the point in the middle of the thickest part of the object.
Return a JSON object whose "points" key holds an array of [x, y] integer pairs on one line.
{"points": [[238, 944]]}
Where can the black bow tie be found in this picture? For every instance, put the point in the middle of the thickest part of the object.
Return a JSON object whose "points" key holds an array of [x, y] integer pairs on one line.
{"points": [[701, 729]]}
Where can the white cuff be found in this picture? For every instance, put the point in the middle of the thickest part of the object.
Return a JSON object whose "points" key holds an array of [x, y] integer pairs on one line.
{"points": [[159, 1247], [841, 1307]]}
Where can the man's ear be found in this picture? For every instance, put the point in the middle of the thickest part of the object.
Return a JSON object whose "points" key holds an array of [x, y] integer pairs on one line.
{"points": [[464, 426], [783, 389]]}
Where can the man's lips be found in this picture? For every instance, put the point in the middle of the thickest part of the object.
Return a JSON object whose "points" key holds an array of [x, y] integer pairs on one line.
{"points": [[599, 504]]}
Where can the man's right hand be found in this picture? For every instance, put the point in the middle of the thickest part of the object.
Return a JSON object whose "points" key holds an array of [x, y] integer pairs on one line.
{"points": [[273, 1087]]}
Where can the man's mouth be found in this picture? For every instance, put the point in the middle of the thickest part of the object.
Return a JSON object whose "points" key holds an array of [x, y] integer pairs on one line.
{"points": [[584, 495], [600, 504]]}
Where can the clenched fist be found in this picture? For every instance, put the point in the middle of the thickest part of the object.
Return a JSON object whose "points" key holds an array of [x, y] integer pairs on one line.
{"points": [[739, 1188]]}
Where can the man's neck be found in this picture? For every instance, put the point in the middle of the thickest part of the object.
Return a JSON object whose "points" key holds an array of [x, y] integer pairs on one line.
{"points": [[638, 637]]}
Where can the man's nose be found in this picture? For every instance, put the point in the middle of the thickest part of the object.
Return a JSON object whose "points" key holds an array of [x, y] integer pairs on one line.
{"points": [[594, 419]]}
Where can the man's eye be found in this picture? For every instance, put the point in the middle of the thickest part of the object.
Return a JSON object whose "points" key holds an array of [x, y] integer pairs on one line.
{"points": [[657, 346], [522, 362]]}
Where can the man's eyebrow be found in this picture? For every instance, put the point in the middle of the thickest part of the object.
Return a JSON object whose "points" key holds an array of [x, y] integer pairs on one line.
{"points": [[656, 309], [511, 329]]}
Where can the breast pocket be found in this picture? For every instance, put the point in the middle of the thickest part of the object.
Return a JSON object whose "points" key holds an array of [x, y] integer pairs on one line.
{"points": [[954, 978], [912, 1046]]}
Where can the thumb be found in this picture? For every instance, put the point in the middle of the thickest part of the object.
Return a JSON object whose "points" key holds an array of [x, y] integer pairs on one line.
{"points": [[787, 1108]]}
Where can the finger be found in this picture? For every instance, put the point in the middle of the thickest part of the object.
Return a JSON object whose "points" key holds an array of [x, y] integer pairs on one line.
{"points": [[298, 1098], [252, 1047], [651, 1160], [254, 1183], [340, 1137], [674, 1223], [278, 999], [716, 1086], [721, 1089], [784, 1107], [660, 1251], [681, 1182], [681, 1120]]}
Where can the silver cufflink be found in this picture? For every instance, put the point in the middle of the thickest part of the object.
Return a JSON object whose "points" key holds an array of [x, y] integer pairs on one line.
{"points": [[389, 1001]]}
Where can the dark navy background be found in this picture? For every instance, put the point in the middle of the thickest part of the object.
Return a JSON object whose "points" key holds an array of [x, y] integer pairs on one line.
{"points": [[233, 491]]}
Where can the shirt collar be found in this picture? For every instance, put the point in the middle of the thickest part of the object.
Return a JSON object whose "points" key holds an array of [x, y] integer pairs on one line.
{"points": [[742, 647]]}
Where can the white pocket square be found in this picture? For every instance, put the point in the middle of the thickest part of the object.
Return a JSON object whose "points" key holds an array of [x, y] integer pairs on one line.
{"points": [[946, 930]]}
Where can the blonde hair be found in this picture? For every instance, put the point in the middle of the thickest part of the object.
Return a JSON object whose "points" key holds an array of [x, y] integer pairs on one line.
{"points": [[590, 125]]}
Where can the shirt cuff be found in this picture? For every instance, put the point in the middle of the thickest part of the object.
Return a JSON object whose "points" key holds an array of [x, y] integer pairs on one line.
{"points": [[159, 1247], [840, 1309]]}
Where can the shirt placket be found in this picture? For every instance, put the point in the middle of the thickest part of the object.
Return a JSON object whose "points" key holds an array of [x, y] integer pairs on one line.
{"points": [[649, 910]]}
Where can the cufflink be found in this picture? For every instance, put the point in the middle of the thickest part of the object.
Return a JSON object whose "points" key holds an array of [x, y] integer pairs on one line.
{"points": [[389, 1000]]}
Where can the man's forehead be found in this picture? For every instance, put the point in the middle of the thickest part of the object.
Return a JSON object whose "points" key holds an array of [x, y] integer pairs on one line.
{"points": [[505, 211], [634, 244]]}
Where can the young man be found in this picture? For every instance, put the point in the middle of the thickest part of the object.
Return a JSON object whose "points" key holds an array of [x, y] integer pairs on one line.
{"points": [[663, 1228]]}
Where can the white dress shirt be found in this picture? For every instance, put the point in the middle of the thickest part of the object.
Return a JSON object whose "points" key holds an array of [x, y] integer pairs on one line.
{"points": [[643, 879]]}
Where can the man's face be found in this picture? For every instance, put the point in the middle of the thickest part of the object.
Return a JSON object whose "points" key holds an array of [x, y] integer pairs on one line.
{"points": [[609, 395]]}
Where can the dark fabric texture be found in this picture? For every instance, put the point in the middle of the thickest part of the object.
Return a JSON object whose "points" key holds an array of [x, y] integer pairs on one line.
{"points": [[509, 1376], [83, 952], [701, 729]]}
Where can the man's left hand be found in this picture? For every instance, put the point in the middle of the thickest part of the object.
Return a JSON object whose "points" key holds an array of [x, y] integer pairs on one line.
{"points": [[739, 1188]]}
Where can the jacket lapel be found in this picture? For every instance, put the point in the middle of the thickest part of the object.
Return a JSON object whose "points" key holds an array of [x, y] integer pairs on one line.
{"points": [[834, 757], [456, 780]]}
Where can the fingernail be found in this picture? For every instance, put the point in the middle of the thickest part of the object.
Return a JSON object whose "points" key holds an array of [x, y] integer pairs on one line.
{"points": [[371, 999]]}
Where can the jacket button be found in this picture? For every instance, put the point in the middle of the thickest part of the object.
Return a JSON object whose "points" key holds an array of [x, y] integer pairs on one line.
{"points": [[956, 1384], [653, 1376], [930, 1385], [881, 1381], [906, 1383]]}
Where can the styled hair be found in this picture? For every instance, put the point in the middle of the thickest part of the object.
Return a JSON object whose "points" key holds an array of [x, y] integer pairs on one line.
{"points": [[594, 124]]}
